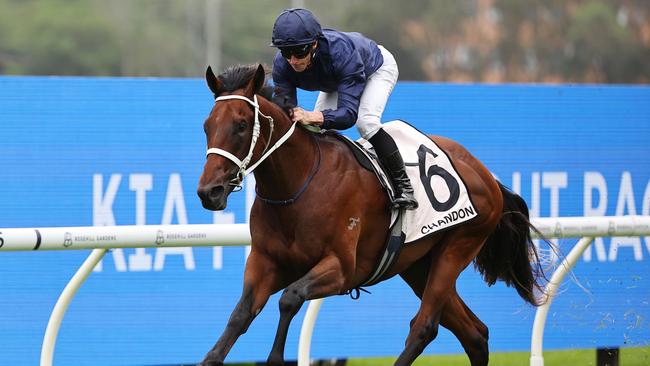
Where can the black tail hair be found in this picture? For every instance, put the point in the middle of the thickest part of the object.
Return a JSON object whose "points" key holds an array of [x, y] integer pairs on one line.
{"points": [[509, 254]]}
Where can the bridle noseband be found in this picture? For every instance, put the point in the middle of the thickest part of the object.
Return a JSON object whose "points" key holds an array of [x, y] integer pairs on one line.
{"points": [[244, 170]]}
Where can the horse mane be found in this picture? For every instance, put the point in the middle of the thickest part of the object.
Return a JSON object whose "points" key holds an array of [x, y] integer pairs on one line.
{"points": [[238, 76]]}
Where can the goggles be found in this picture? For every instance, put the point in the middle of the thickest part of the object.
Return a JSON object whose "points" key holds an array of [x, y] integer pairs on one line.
{"points": [[299, 52]]}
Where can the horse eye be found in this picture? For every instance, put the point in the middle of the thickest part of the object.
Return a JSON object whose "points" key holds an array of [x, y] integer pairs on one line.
{"points": [[241, 126]]}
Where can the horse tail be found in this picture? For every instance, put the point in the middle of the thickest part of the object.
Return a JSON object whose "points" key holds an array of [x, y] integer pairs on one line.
{"points": [[509, 250]]}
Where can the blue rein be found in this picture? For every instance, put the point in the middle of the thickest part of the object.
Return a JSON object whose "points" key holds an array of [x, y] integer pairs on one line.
{"points": [[295, 197]]}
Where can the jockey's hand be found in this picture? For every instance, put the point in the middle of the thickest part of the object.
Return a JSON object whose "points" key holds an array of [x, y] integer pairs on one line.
{"points": [[307, 118]]}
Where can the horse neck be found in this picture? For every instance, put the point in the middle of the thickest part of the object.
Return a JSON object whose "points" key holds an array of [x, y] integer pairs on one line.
{"points": [[286, 169]]}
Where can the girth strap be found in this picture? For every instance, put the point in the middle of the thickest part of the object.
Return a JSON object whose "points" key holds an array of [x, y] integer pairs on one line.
{"points": [[392, 249]]}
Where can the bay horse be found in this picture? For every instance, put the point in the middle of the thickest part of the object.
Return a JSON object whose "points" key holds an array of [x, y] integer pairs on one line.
{"points": [[310, 188]]}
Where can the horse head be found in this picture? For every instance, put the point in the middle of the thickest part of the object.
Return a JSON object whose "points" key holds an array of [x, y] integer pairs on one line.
{"points": [[231, 132]]}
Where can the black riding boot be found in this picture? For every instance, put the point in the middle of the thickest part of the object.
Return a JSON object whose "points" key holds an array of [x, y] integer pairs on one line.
{"points": [[391, 160]]}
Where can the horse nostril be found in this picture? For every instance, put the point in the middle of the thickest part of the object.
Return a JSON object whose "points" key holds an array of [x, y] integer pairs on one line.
{"points": [[215, 192], [212, 197], [210, 193]]}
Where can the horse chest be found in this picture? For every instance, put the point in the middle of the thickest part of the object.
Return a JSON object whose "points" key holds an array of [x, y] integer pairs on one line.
{"points": [[291, 254], [296, 252]]}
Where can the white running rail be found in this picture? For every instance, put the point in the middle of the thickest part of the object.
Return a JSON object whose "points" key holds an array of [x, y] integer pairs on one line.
{"points": [[586, 228], [134, 236], [102, 238]]}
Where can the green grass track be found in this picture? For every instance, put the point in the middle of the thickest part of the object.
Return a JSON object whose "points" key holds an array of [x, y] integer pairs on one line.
{"points": [[629, 356]]}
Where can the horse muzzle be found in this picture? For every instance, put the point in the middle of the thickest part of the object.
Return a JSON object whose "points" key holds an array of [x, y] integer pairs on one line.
{"points": [[213, 197]]}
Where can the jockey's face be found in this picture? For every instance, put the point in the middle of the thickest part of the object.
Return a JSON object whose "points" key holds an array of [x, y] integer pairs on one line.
{"points": [[301, 64]]}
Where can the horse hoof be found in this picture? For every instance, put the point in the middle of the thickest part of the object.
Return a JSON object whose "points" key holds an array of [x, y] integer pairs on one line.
{"points": [[210, 363], [272, 361]]}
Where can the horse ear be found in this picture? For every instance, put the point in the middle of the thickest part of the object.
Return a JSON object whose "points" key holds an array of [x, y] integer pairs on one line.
{"points": [[256, 84], [213, 82]]}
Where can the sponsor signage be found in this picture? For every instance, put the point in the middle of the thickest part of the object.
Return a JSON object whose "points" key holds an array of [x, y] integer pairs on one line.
{"points": [[129, 151]]}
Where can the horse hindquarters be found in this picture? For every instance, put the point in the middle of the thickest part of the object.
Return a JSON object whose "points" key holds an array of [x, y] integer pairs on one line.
{"points": [[508, 252]]}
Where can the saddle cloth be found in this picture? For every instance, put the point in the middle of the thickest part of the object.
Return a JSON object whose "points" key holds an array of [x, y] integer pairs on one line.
{"points": [[440, 191]]}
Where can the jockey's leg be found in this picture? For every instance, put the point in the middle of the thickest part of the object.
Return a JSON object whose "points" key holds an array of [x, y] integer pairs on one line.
{"points": [[371, 107], [391, 159]]}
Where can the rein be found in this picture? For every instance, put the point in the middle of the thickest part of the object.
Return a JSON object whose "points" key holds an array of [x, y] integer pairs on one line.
{"points": [[295, 197], [244, 170]]}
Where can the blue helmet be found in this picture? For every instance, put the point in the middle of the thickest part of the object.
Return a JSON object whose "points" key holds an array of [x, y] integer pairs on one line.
{"points": [[295, 27]]}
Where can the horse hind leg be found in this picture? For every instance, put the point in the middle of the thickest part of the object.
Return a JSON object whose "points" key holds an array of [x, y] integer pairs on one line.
{"points": [[456, 316], [468, 328], [447, 260], [325, 279]]}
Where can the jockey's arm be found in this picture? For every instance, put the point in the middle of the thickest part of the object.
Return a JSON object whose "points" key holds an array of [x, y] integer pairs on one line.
{"points": [[351, 73], [284, 92]]}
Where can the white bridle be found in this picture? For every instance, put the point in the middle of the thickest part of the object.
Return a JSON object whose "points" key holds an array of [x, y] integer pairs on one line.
{"points": [[244, 170]]}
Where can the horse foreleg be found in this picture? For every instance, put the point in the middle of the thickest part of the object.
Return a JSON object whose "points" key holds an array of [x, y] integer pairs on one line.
{"points": [[260, 281], [325, 279]]}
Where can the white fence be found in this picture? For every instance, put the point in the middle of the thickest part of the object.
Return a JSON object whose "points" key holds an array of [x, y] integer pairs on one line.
{"points": [[100, 239], [586, 228]]}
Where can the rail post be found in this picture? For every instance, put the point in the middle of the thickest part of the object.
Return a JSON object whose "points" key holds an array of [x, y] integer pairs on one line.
{"points": [[53, 325]]}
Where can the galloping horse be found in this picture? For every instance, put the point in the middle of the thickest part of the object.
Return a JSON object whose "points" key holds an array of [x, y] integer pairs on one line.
{"points": [[310, 187]]}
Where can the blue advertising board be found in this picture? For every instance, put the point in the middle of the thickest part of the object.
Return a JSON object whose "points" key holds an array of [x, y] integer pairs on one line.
{"points": [[124, 151]]}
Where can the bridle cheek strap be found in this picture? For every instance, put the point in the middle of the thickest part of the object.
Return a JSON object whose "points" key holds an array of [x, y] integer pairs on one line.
{"points": [[243, 164]]}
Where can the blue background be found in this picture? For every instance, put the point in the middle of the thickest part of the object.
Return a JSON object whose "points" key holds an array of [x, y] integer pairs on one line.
{"points": [[57, 133]]}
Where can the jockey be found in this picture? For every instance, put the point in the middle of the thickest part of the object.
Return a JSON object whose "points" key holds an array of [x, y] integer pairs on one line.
{"points": [[354, 75]]}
